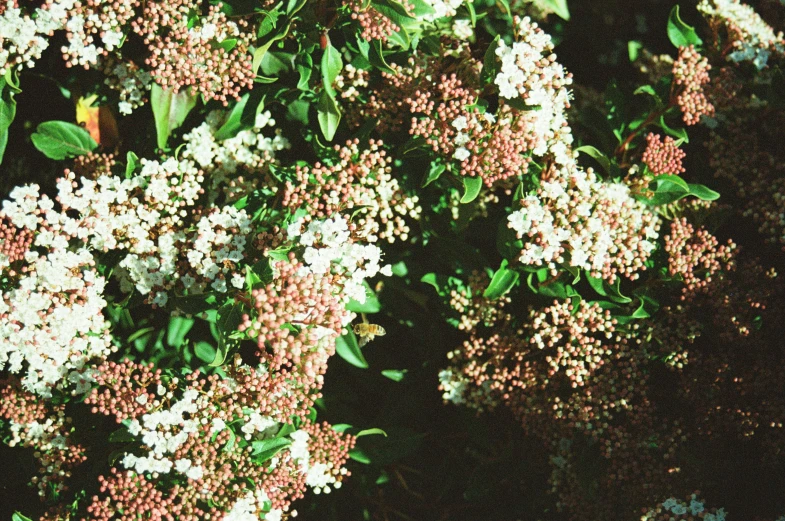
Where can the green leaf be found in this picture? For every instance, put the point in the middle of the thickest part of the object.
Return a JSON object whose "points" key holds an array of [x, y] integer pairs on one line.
{"points": [[20, 517], [264, 450], [169, 111], [121, 435], [601, 158], [503, 281], [205, 351], [329, 114], [679, 33], [347, 348], [359, 456], [193, 304], [370, 432], [331, 67], [633, 49], [376, 57], [60, 139], [131, 162], [679, 133], [396, 375], [559, 7], [613, 292], [8, 89], [668, 189], [229, 317], [490, 63], [178, 329], [471, 188], [434, 172], [233, 123], [702, 192]]}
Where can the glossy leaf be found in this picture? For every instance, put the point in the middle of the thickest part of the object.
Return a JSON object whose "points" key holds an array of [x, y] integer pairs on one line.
{"points": [[60, 139]]}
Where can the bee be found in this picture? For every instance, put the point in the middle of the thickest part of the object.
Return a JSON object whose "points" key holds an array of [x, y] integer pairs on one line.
{"points": [[367, 331]]}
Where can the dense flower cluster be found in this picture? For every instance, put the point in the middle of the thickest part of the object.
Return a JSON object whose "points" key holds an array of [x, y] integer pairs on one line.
{"points": [[198, 58], [356, 180], [691, 74], [576, 219], [751, 37], [663, 157]]}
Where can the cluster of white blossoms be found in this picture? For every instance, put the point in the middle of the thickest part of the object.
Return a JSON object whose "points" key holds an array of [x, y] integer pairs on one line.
{"points": [[227, 161], [678, 509], [163, 432], [581, 221], [51, 322], [24, 36], [442, 9], [318, 476], [753, 39], [247, 508], [529, 71], [131, 82], [329, 248]]}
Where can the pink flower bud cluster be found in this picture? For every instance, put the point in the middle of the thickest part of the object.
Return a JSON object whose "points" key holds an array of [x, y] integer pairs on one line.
{"points": [[44, 428], [374, 25], [355, 179], [691, 74], [197, 454], [308, 301], [578, 220], [184, 57], [14, 245], [663, 157], [493, 147], [121, 389], [742, 155], [695, 256]]}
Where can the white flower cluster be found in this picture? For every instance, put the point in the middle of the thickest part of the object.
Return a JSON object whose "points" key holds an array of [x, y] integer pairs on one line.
{"points": [[756, 39], [163, 432], [442, 9], [53, 321], [529, 71], [247, 508], [599, 224], [329, 248], [131, 82], [317, 475], [453, 386], [223, 160], [694, 508], [23, 37]]}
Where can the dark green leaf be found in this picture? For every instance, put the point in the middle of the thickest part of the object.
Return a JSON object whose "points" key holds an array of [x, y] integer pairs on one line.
{"points": [[396, 375], [503, 281], [679, 33], [170, 111], [264, 450], [471, 189], [347, 348], [60, 139], [329, 114], [331, 67]]}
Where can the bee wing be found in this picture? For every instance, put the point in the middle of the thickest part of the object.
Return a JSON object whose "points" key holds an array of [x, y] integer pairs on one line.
{"points": [[364, 339]]}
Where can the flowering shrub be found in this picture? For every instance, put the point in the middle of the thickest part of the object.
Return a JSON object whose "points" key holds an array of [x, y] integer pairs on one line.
{"points": [[547, 300]]}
